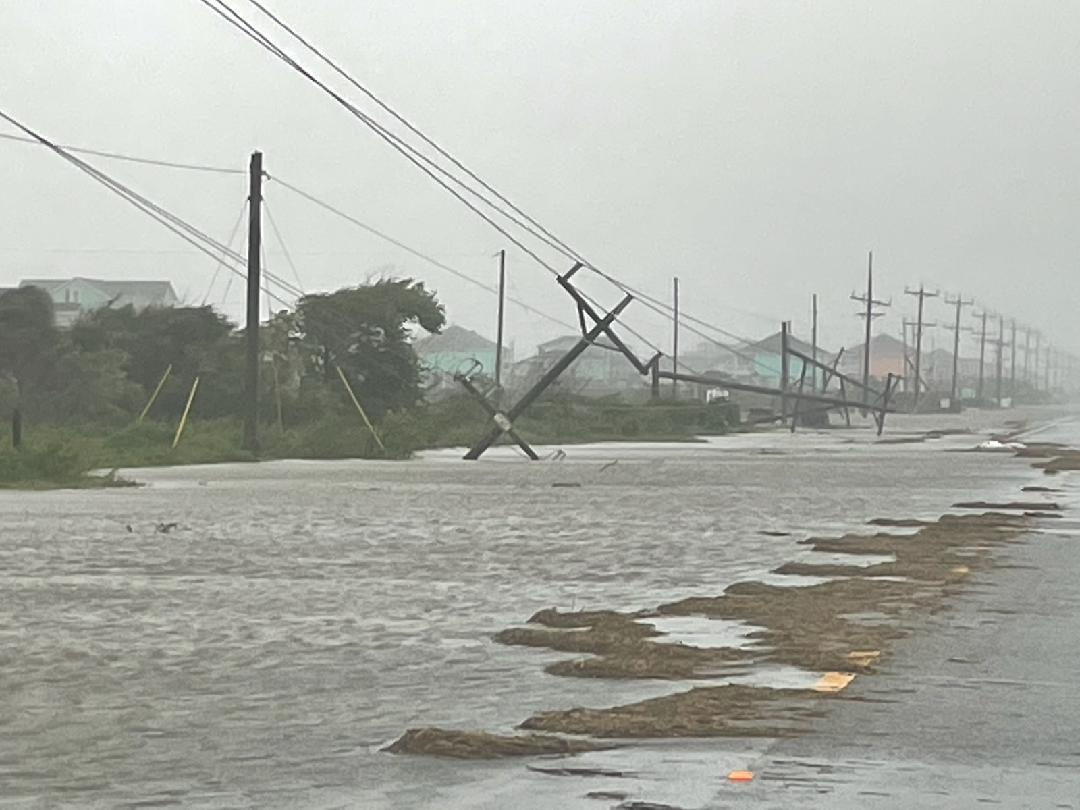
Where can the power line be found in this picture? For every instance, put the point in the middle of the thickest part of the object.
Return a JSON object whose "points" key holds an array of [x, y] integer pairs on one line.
{"points": [[231, 16], [168, 164], [197, 238], [411, 250]]}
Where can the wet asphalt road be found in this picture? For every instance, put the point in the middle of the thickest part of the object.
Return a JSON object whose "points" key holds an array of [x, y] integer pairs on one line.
{"points": [[980, 708]]}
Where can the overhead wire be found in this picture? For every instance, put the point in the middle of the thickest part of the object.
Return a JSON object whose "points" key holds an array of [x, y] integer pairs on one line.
{"points": [[281, 242], [168, 164], [413, 251], [530, 225], [220, 262]]}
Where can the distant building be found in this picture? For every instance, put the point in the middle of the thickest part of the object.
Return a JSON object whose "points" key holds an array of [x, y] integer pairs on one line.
{"points": [[886, 356], [74, 297], [762, 360], [454, 350], [596, 371]]}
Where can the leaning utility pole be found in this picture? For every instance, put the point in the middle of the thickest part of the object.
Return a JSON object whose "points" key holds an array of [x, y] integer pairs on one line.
{"points": [[499, 326], [982, 357], [675, 338], [254, 272], [869, 315], [954, 396], [922, 294]]}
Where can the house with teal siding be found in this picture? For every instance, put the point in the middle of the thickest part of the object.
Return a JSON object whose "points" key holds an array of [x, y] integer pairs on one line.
{"points": [[455, 350]]}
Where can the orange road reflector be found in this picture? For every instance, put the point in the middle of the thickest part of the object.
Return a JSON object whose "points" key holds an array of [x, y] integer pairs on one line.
{"points": [[833, 681], [741, 776], [863, 658]]}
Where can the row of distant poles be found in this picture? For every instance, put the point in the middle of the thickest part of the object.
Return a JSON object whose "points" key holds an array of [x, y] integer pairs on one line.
{"points": [[872, 309]]}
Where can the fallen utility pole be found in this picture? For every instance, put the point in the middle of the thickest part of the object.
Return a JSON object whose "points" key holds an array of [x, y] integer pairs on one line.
{"points": [[922, 295], [869, 314], [254, 272], [954, 395]]}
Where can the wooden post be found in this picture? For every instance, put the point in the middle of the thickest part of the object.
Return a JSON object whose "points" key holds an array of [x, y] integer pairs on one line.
{"points": [[254, 272], [187, 411], [277, 397], [154, 396], [359, 408]]}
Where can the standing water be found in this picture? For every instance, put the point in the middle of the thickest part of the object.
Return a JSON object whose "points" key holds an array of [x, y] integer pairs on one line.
{"points": [[301, 615]]}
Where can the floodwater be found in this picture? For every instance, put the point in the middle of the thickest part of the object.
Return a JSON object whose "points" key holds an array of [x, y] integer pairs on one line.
{"points": [[300, 615]]}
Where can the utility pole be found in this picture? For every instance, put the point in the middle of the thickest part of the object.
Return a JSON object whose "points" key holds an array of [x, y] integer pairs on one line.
{"points": [[813, 340], [1027, 354], [869, 315], [1035, 364], [254, 273], [499, 327], [675, 339], [1012, 366], [922, 294], [954, 396], [1046, 369], [1000, 348], [982, 357]]}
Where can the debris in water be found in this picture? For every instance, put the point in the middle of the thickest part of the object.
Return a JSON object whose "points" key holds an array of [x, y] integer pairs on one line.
{"points": [[440, 742]]}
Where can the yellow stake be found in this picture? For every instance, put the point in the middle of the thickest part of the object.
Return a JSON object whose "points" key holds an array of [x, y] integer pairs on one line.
{"points": [[356, 402], [154, 396], [187, 410]]}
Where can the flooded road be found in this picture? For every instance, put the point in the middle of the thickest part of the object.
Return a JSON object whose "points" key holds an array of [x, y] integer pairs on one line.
{"points": [[300, 615]]}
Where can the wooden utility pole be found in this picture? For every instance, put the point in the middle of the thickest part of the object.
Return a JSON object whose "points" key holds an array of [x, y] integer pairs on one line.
{"points": [[998, 359], [813, 340], [499, 326], [1027, 354], [1035, 364], [1012, 366], [954, 396], [869, 315], [785, 368], [254, 272], [675, 338], [982, 357], [923, 295]]}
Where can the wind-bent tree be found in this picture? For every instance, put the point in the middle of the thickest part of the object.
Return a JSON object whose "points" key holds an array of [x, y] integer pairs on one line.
{"points": [[364, 330], [28, 345]]}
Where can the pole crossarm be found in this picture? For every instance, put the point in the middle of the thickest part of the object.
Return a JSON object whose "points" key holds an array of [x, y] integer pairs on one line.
{"points": [[503, 422]]}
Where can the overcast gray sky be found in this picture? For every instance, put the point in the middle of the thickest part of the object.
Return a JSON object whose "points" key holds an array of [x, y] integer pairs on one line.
{"points": [[756, 149]]}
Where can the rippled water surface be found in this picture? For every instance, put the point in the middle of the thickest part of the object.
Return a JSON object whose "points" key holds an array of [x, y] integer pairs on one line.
{"points": [[300, 615]]}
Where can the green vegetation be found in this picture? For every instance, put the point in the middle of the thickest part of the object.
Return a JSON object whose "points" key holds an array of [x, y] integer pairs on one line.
{"points": [[81, 392]]}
